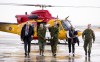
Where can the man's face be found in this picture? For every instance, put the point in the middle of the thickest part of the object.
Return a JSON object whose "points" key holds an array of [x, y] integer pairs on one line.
{"points": [[41, 25], [55, 23], [89, 26], [72, 28], [27, 23]]}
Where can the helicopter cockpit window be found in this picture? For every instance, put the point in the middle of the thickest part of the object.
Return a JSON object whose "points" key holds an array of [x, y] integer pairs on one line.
{"points": [[66, 24]]}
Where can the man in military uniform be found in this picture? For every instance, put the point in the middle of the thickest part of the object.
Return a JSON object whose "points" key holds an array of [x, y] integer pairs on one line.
{"points": [[87, 36], [54, 38], [41, 38]]}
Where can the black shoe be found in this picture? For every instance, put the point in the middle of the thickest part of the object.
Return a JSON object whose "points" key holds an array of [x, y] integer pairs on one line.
{"points": [[42, 55], [54, 55], [73, 55], [25, 54]]}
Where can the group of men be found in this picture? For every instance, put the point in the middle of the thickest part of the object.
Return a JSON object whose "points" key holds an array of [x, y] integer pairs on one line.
{"points": [[28, 31], [27, 35]]}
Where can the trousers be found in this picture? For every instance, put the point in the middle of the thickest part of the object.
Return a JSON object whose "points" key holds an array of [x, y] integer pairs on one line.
{"points": [[27, 45], [71, 46]]}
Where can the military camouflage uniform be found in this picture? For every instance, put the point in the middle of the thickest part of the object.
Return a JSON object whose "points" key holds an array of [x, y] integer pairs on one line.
{"points": [[41, 39], [87, 36], [54, 40]]}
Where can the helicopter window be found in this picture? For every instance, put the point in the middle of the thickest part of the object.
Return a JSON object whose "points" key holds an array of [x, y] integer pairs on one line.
{"points": [[66, 24]]}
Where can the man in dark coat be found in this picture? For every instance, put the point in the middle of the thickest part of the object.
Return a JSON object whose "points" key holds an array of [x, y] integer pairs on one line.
{"points": [[27, 33], [72, 39]]}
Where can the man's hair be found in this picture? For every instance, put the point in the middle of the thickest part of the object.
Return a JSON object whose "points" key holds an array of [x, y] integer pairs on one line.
{"points": [[89, 24]]}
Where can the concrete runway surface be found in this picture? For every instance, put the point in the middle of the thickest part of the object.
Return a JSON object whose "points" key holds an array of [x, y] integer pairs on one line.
{"points": [[11, 50]]}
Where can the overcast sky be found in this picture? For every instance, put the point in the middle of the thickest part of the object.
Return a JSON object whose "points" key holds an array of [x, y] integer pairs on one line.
{"points": [[78, 16]]}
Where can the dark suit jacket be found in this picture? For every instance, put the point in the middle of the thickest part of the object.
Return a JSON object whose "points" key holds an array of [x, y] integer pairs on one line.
{"points": [[74, 33], [31, 32]]}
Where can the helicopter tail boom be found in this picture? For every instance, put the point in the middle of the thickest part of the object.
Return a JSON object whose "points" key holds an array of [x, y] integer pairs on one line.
{"points": [[9, 27]]}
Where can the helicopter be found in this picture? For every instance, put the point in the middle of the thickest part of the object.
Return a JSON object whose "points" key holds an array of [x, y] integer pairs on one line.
{"points": [[37, 16]]}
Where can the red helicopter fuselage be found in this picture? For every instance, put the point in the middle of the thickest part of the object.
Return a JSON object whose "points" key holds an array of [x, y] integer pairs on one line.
{"points": [[43, 15]]}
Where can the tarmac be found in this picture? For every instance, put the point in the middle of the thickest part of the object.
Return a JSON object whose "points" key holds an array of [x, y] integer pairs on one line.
{"points": [[12, 50]]}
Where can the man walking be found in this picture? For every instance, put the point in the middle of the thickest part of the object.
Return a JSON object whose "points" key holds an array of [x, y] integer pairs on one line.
{"points": [[72, 39], [87, 36], [41, 38], [54, 38], [27, 33]]}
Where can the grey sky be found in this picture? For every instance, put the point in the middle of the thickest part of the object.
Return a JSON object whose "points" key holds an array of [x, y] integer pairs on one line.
{"points": [[78, 16]]}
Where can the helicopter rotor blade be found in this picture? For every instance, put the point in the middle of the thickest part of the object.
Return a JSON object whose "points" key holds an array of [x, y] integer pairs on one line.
{"points": [[42, 5], [16, 4], [79, 6]]}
